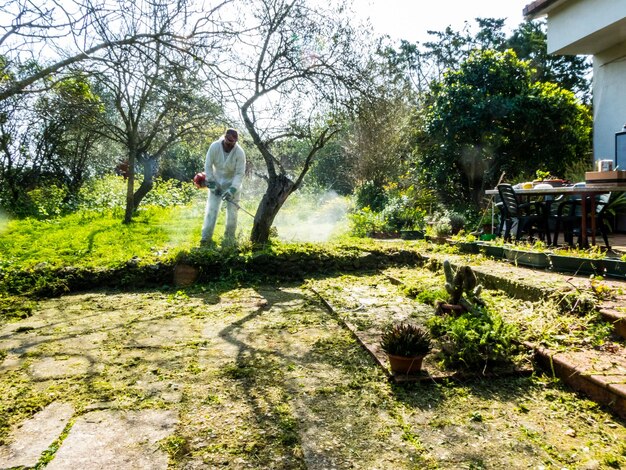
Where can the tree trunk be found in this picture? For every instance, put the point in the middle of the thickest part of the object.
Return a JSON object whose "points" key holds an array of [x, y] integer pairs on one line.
{"points": [[130, 183], [149, 170], [278, 190]]}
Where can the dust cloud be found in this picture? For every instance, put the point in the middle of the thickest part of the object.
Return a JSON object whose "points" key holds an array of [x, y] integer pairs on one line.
{"points": [[313, 217]]}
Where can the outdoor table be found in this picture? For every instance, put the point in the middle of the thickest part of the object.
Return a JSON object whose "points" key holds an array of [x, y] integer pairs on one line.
{"points": [[583, 192]]}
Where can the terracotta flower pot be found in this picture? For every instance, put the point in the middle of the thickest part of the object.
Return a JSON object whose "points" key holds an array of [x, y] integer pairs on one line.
{"points": [[185, 275], [405, 365]]}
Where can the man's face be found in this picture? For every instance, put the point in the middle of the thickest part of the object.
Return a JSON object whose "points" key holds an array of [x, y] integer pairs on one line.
{"points": [[229, 142]]}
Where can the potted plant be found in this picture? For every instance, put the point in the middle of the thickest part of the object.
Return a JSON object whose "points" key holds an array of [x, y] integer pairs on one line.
{"points": [[615, 267], [533, 255], [578, 261], [465, 242], [406, 345]]}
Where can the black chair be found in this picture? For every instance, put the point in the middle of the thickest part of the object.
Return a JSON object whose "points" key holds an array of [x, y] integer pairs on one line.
{"points": [[501, 215], [531, 216], [569, 219]]}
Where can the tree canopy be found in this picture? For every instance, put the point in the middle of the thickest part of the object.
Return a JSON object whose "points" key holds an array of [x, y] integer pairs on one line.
{"points": [[490, 116]]}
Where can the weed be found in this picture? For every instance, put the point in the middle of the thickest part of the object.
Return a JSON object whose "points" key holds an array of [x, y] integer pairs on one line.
{"points": [[14, 308], [175, 446], [48, 454], [612, 461], [600, 288]]}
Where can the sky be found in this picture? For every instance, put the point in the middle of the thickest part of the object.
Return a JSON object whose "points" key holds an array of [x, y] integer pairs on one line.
{"points": [[410, 19]]}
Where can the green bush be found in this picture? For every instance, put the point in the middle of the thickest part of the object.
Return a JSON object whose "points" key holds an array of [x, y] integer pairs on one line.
{"points": [[371, 195], [170, 192], [474, 340], [109, 192], [365, 221], [401, 213], [47, 201]]}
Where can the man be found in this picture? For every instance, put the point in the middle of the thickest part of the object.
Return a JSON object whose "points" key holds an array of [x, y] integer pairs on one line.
{"points": [[224, 167]]}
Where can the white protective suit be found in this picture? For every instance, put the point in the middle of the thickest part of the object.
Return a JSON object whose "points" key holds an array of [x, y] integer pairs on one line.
{"points": [[226, 170]]}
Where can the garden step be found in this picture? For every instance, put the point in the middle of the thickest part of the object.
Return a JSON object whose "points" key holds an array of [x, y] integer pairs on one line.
{"points": [[599, 374], [617, 318], [532, 284]]}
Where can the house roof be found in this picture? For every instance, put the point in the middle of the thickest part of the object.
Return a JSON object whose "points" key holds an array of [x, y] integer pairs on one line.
{"points": [[540, 8]]}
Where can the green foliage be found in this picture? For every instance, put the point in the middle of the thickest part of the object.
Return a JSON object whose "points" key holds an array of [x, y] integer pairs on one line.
{"points": [[405, 339], [47, 201], [474, 340], [529, 41], [400, 213], [445, 223], [365, 221], [372, 195], [431, 296], [400, 207], [331, 169], [170, 193], [109, 192], [489, 117]]}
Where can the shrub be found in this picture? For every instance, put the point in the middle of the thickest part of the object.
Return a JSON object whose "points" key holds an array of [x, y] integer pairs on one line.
{"points": [[457, 221], [371, 195], [400, 213], [109, 192], [474, 340], [169, 192], [365, 221]]}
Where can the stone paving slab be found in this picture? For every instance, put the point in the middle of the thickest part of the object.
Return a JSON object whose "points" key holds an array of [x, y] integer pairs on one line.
{"points": [[34, 436], [114, 439]]}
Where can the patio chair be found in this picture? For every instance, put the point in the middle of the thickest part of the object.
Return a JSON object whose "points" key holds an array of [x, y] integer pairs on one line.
{"points": [[569, 219], [531, 216]]}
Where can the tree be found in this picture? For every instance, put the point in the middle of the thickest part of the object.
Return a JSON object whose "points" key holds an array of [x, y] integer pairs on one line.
{"points": [[18, 168], [529, 41], [489, 117], [447, 49], [299, 68], [64, 33], [154, 93], [69, 135], [153, 98], [376, 143]]}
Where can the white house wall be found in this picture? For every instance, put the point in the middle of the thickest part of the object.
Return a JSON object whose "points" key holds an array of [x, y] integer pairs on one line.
{"points": [[609, 99], [586, 26]]}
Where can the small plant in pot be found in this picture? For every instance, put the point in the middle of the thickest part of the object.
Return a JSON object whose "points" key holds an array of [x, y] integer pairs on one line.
{"points": [[406, 345]]}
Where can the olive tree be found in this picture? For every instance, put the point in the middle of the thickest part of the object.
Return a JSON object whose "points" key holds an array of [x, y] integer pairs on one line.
{"points": [[154, 93], [291, 74], [60, 34]]}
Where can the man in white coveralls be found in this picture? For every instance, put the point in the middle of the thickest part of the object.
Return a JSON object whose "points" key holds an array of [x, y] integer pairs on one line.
{"points": [[224, 167]]}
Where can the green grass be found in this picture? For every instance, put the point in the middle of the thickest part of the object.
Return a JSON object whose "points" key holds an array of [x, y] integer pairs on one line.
{"points": [[90, 239]]}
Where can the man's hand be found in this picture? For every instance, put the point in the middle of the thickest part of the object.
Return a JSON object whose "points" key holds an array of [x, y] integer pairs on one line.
{"points": [[228, 195]]}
